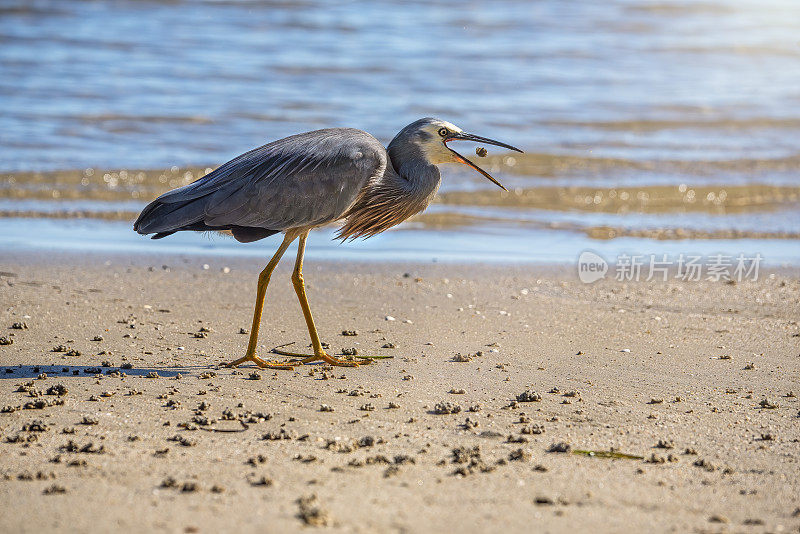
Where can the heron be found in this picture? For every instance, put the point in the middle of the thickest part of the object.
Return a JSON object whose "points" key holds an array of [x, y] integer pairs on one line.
{"points": [[304, 181]]}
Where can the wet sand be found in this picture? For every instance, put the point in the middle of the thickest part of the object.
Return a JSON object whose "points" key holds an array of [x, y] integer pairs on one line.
{"points": [[686, 211], [132, 424], [691, 195]]}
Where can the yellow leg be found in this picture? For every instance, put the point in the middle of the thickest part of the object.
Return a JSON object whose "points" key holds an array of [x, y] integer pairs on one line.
{"points": [[263, 282], [300, 289]]}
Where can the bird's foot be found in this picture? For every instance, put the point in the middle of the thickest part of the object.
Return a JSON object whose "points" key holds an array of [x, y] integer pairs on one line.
{"points": [[323, 357], [264, 364], [330, 360]]}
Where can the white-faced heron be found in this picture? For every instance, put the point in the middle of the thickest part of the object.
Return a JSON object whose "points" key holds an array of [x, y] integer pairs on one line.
{"points": [[304, 181]]}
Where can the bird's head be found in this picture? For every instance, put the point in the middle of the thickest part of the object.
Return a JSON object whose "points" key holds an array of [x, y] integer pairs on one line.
{"points": [[432, 136]]}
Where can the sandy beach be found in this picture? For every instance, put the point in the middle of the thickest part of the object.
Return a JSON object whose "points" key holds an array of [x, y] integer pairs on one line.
{"points": [[505, 394], [503, 379]]}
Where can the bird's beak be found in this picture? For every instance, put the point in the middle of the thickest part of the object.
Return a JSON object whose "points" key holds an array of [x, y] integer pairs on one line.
{"points": [[463, 136]]}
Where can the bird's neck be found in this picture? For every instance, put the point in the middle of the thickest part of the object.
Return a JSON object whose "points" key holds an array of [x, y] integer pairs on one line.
{"points": [[406, 188], [413, 173], [418, 179]]}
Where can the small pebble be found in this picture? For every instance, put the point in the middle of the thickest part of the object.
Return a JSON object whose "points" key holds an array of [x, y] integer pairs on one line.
{"points": [[529, 396], [768, 404], [444, 408], [561, 446]]}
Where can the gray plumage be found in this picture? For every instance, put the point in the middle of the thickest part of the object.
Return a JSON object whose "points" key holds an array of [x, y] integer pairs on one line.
{"points": [[296, 184], [311, 179]]}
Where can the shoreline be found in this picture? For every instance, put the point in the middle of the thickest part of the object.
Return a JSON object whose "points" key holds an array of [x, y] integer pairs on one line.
{"points": [[510, 244], [252, 264]]}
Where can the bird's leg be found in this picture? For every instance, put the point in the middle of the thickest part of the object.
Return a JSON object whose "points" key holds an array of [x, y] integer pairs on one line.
{"points": [[263, 282], [300, 289]]}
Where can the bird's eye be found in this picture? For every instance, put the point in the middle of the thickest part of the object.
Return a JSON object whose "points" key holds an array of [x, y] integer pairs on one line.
{"points": [[444, 132]]}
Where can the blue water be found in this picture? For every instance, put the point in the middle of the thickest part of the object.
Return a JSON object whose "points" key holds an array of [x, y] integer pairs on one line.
{"points": [[148, 84], [496, 244], [663, 84]]}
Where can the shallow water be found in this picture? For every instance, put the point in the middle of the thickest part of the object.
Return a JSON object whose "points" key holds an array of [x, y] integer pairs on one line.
{"points": [[499, 243], [635, 94]]}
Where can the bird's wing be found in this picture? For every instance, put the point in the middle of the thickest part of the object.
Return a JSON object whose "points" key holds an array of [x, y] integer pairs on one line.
{"points": [[306, 179]]}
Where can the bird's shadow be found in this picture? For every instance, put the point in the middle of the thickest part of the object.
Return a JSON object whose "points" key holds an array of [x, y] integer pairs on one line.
{"points": [[11, 372]]}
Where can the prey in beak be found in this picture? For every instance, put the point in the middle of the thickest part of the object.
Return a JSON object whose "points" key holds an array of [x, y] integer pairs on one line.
{"points": [[463, 136]]}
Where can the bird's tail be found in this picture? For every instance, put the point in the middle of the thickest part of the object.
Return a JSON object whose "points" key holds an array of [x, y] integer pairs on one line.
{"points": [[163, 218]]}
